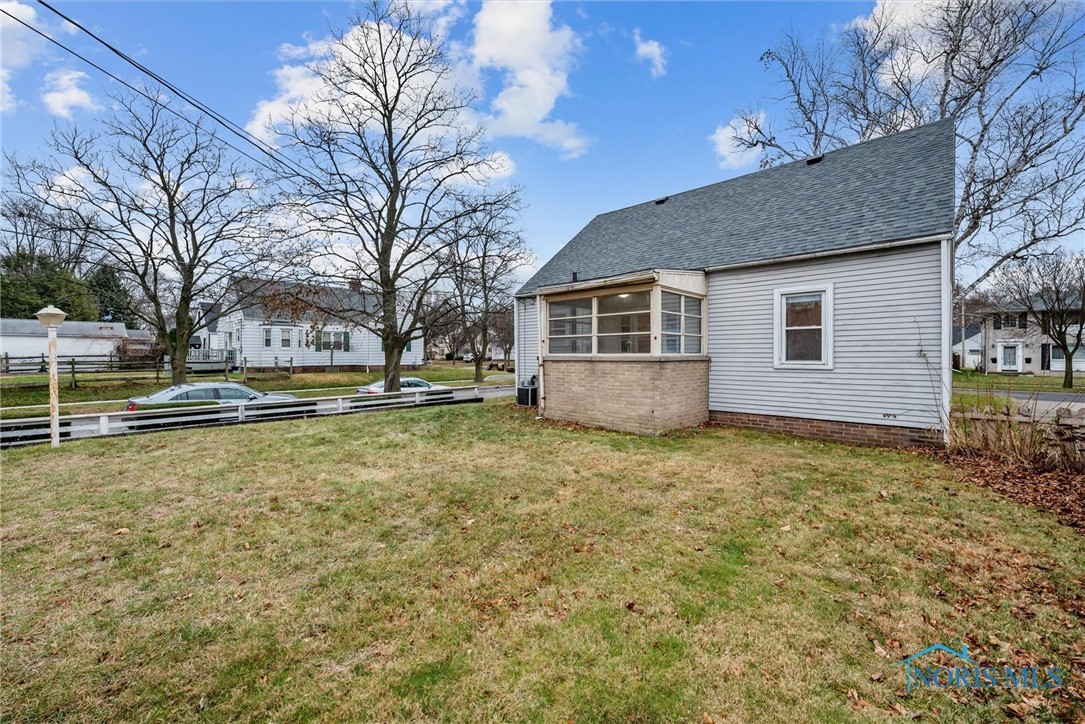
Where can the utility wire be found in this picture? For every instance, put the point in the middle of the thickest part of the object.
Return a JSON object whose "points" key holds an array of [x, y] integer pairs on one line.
{"points": [[222, 120], [134, 89]]}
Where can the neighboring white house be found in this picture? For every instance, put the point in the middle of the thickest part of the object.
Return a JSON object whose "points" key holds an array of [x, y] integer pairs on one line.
{"points": [[1015, 344], [810, 298], [27, 338], [969, 350], [261, 332]]}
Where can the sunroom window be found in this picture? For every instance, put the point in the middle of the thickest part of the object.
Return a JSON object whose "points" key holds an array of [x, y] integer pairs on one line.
{"points": [[681, 320], [623, 323], [571, 326]]}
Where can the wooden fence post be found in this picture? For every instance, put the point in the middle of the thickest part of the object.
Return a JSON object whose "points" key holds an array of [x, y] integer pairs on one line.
{"points": [[74, 383], [225, 368], [244, 369], [291, 366]]}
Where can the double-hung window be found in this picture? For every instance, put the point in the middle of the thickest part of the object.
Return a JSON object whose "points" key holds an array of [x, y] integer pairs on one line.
{"points": [[804, 327], [284, 337], [681, 319], [267, 337]]}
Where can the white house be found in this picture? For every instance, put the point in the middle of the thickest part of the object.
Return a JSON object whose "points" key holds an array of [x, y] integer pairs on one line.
{"points": [[810, 298], [279, 324], [1015, 344], [968, 346], [27, 338]]}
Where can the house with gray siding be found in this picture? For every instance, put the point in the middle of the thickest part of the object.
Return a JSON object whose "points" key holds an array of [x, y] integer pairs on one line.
{"points": [[811, 298]]}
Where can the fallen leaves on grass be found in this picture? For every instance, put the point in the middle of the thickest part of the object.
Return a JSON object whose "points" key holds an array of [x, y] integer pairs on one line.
{"points": [[1057, 492]]}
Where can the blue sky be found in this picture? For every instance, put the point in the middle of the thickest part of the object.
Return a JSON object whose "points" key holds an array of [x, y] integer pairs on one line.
{"points": [[598, 105]]}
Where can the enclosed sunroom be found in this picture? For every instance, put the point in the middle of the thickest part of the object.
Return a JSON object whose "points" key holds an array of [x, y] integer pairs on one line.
{"points": [[625, 352]]}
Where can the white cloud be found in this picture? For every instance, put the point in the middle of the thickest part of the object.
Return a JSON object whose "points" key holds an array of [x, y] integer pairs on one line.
{"points": [[515, 39], [730, 153], [20, 48], [519, 39], [7, 99], [294, 85], [652, 51], [62, 93]]}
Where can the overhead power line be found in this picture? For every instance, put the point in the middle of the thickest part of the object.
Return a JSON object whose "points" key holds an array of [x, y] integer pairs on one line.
{"points": [[213, 115], [222, 120]]}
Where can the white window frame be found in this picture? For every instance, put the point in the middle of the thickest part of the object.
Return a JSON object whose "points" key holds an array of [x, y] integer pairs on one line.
{"points": [[683, 316], [779, 344], [286, 335], [596, 316], [590, 317], [655, 334], [267, 337]]}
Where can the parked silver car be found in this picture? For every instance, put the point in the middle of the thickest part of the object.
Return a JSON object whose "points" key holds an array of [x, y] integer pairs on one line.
{"points": [[224, 393], [406, 384]]}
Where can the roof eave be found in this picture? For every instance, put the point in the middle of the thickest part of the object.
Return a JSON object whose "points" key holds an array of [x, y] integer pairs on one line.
{"points": [[650, 275]]}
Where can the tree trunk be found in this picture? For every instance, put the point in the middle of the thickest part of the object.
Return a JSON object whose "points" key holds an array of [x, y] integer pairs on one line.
{"points": [[478, 368], [393, 354], [1068, 373], [178, 361]]}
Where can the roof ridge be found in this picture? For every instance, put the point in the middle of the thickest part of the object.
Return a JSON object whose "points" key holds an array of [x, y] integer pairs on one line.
{"points": [[761, 171]]}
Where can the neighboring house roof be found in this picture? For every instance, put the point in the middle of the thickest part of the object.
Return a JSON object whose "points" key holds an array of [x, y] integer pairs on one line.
{"points": [[969, 332], [212, 312], [33, 328], [889, 189], [263, 300]]}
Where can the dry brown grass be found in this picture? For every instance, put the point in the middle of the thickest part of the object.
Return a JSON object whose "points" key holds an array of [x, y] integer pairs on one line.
{"points": [[472, 563]]}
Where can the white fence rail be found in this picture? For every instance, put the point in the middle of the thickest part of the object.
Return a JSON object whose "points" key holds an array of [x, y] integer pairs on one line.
{"points": [[30, 430]]}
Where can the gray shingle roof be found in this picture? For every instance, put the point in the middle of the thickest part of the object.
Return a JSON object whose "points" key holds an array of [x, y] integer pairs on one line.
{"points": [[281, 300], [892, 188], [33, 328]]}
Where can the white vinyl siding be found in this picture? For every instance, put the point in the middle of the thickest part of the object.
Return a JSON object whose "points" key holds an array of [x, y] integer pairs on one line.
{"points": [[248, 342], [886, 350], [527, 338]]}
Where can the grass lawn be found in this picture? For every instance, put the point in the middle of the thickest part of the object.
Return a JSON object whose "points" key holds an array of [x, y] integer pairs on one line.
{"points": [[19, 390], [1048, 382], [470, 563]]}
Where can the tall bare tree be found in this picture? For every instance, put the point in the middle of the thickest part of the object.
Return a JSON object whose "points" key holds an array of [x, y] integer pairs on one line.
{"points": [[31, 228], [482, 268], [1008, 72], [503, 327], [1051, 288], [395, 162], [161, 201]]}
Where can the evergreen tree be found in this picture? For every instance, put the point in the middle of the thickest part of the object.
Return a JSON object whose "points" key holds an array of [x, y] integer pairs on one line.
{"points": [[29, 282]]}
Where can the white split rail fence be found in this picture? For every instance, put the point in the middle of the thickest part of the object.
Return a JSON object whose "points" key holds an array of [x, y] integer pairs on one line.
{"points": [[30, 430]]}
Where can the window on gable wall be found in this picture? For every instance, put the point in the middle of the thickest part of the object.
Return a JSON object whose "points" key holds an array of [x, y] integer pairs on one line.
{"points": [[803, 327]]}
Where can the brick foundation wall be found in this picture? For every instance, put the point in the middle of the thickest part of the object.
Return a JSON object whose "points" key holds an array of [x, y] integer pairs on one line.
{"points": [[646, 397], [855, 433]]}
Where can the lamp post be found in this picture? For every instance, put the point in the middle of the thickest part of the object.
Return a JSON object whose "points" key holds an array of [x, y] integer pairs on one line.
{"points": [[51, 318]]}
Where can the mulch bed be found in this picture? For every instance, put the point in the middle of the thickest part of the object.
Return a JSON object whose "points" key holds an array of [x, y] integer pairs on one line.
{"points": [[1056, 492]]}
